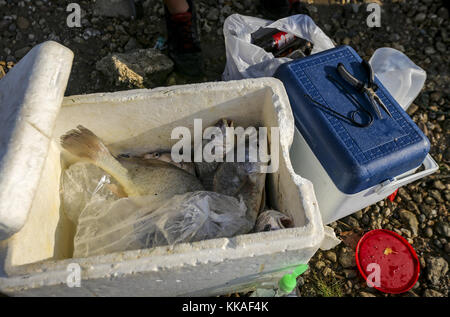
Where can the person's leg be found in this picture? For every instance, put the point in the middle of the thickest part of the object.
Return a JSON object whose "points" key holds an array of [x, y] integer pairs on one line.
{"points": [[183, 37]]}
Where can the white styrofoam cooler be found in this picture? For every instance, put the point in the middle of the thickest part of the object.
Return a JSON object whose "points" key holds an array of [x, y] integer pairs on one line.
{"points": [[333, 203], [35, 260]]}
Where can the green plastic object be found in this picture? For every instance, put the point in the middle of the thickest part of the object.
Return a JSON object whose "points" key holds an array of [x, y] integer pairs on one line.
{"points": [[289, 281]]}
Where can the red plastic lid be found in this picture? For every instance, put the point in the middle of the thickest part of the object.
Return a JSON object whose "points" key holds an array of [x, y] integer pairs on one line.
{"points": [[398, 263]]}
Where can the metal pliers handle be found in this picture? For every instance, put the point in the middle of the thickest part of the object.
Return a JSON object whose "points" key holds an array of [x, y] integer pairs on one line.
{"points": [[368, 88]]}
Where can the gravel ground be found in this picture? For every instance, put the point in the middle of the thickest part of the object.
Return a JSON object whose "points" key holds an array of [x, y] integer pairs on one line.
{"points": [[418, 28]]}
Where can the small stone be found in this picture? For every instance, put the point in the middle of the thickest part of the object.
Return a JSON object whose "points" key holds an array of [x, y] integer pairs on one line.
{"points": [[213, 14], [420, 17], [428, 232], [328, 272], [22, 23], [131, 45], [404, 194], [143, 68], [406, 233], [423, 263], [437, 243], [366, 294], [432, 293], [206, 27], [346, 41], [412, 109], [436, 195], [365, 219], [330, 255], [447, 248], [350, 273], [347, 258], [352, 222], [320, 265], [443, 229], [441, 47], [2, 72], [430, 50], [443, 13], [359, 214], [410, 219], [417, 198], [439, 185], [437, 267]]}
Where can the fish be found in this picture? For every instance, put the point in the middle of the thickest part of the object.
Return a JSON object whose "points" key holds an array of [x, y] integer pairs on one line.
{"points": [[137, 176], [206, 170], [271, 220], [167, 157], [242, 179]]}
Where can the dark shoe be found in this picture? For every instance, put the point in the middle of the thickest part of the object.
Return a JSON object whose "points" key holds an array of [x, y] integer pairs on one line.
{"points": [[183, 41], [278, 9], [274, 9], [298, 8]]}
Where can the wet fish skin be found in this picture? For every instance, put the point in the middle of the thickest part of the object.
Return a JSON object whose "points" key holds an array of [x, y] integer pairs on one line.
{"points": [[167, 157], [206, 170], [240, 179]]}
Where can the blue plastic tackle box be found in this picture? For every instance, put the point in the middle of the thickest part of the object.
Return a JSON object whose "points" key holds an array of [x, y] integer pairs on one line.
{"points": [[350, 166]]}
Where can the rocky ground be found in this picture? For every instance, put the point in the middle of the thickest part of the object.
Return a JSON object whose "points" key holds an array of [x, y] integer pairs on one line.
{"points": [[418, 28]]}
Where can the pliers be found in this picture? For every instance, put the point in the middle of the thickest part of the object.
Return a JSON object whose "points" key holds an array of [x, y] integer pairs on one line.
{"points": [[368, 88]]}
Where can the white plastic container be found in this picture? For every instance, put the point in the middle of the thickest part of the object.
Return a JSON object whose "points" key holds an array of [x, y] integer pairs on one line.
{"points": [[335, 204], [37, 260]]}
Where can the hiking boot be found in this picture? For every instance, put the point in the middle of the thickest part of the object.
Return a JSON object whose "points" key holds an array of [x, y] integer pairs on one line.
{"points": [[274, 9], [183, 41], [298, 7], [278, 9]]}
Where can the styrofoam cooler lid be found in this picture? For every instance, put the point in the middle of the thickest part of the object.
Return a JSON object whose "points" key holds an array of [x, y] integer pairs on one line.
{"points": [[30, 98], [355, 158]]}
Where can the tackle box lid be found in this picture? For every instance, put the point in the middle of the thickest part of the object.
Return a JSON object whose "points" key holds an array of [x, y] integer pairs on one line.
{"points": [[355, 158], [31, 94]]}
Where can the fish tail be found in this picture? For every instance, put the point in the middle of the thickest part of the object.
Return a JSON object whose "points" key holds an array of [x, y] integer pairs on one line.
{"points": [[83, 143]]}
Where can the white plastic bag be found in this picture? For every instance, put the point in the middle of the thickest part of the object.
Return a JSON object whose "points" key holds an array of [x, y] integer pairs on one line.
{"points": [[401, 77], [246, 60]]}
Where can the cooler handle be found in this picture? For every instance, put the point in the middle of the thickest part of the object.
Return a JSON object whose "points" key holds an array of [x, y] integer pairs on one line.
{"points": [[389, 186]]}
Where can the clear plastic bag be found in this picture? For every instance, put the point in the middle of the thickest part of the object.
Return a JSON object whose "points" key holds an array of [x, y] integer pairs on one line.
{"points": [[246, 60], [401, 77], [80, 183], [146, 222]]}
